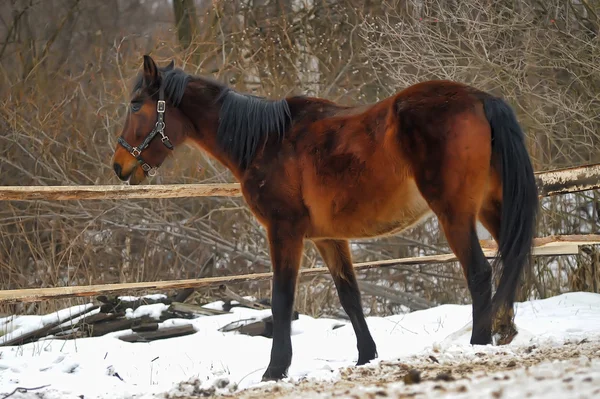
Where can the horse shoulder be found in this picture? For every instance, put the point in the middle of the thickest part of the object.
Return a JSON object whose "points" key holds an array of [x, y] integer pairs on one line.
{"points": [[272, 188]]}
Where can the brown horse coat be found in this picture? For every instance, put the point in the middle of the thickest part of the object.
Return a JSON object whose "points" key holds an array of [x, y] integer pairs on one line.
{"points": [[312, 169]]}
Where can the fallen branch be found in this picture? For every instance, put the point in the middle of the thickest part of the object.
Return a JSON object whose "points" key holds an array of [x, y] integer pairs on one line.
{"points": [[43, 331], [145, 327], [118, 305], [88, 320], [195, 310], [397, 297], [24, 390], [254, 327], [227, 293], [183, 294], [100, 323], [110, 326], [67, 335], [167, 332]]}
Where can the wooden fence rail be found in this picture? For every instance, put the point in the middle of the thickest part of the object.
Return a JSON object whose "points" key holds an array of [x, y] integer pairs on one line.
{"points": [[111, 192], [545, 246], [549, 183]]}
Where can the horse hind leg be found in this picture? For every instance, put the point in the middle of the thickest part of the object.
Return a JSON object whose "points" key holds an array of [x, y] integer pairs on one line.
{"points": [[336, 254], [461, 235], [455, 191], [457, 212], [503, 325]]}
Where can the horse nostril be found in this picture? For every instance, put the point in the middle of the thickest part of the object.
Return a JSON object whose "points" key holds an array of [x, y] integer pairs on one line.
{"points": [[117, 169]]}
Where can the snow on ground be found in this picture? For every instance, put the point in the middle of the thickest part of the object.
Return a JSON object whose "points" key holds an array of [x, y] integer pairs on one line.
{"points": [[13, 327], [569, 370], [105, 367]]}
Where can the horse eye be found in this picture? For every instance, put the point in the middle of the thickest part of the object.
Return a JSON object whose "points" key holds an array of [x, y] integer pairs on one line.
{"points": [[135, 107]]}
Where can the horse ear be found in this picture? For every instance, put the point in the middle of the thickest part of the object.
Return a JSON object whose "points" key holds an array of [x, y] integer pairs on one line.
{"points": [[150, 71], [170, 66]]}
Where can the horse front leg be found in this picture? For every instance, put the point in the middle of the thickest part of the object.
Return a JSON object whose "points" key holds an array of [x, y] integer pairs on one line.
{"points": [[285, 244]]}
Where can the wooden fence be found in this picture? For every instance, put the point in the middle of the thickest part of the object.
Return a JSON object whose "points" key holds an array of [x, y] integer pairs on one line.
{"points": [[546, 246], [555, 182]]}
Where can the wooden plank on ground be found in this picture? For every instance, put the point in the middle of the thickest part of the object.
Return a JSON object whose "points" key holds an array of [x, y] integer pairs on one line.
{"points": [[39, 294], [40, 332], [188, 308], [162, 333], [554, 182], [227, 293]]}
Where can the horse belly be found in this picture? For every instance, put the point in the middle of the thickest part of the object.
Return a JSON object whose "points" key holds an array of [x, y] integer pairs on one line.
{"points": [[375, 215], [389, 223]]}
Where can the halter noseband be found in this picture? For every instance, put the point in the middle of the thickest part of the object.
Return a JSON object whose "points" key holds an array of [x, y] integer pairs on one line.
{"points": [[159, 128]]}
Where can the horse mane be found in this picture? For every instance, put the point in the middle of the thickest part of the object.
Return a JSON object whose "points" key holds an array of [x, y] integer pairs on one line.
{"points": [[174, 82], [245, 120]]}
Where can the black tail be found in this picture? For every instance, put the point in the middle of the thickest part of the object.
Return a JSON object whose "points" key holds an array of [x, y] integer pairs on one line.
{"points": [[519, 198]]}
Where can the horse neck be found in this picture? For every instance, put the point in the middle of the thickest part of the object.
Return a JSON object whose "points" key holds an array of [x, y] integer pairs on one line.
{"points": [[204, 135], [249, 124]]}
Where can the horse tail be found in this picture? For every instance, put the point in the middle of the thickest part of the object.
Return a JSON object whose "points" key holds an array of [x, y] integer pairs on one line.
{"points": [[519, 199]]}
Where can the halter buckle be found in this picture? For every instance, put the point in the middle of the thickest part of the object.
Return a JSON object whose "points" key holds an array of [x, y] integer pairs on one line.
{"points": [[161, 106], [149, 170], [135, 152]]}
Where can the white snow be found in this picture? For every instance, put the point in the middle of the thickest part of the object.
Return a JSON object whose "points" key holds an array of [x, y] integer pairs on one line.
{"points": [[105, 367], [15, 326], [153, 311]]}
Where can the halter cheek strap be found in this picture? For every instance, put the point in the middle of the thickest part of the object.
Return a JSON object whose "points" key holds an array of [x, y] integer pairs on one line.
{"points": [[159, 128]]}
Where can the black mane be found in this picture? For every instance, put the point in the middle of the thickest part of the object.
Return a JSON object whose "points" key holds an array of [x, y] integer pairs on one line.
{"points": [[174, 82], [244, 120]]}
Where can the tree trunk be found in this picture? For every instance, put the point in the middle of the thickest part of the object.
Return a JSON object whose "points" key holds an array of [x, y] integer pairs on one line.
{"points": [[186, 22]]}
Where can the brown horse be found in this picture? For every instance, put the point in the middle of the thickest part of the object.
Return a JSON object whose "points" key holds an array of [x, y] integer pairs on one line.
{"points": [[314, 170]]}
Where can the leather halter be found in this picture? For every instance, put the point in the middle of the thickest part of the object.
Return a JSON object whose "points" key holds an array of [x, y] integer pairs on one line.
{"points": [[159, 128]]}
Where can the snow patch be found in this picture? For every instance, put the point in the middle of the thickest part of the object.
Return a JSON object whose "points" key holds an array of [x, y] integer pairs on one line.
{"points": [[224, 362]]}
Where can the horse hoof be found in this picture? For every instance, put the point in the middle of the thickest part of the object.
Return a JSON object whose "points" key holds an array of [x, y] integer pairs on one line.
{"points": [[483, 342], [366, 359], [362, 362], [506, 335], [484, 339], [273, 375]]}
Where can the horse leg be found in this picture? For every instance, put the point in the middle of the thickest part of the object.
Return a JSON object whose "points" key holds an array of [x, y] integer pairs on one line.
{"points": [[462, 237], [455, 193], [503, 325], [285, 244], [336, 254]]}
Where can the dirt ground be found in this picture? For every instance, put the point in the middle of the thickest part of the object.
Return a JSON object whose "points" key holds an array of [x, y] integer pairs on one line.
{"points": [[568, 370]]}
